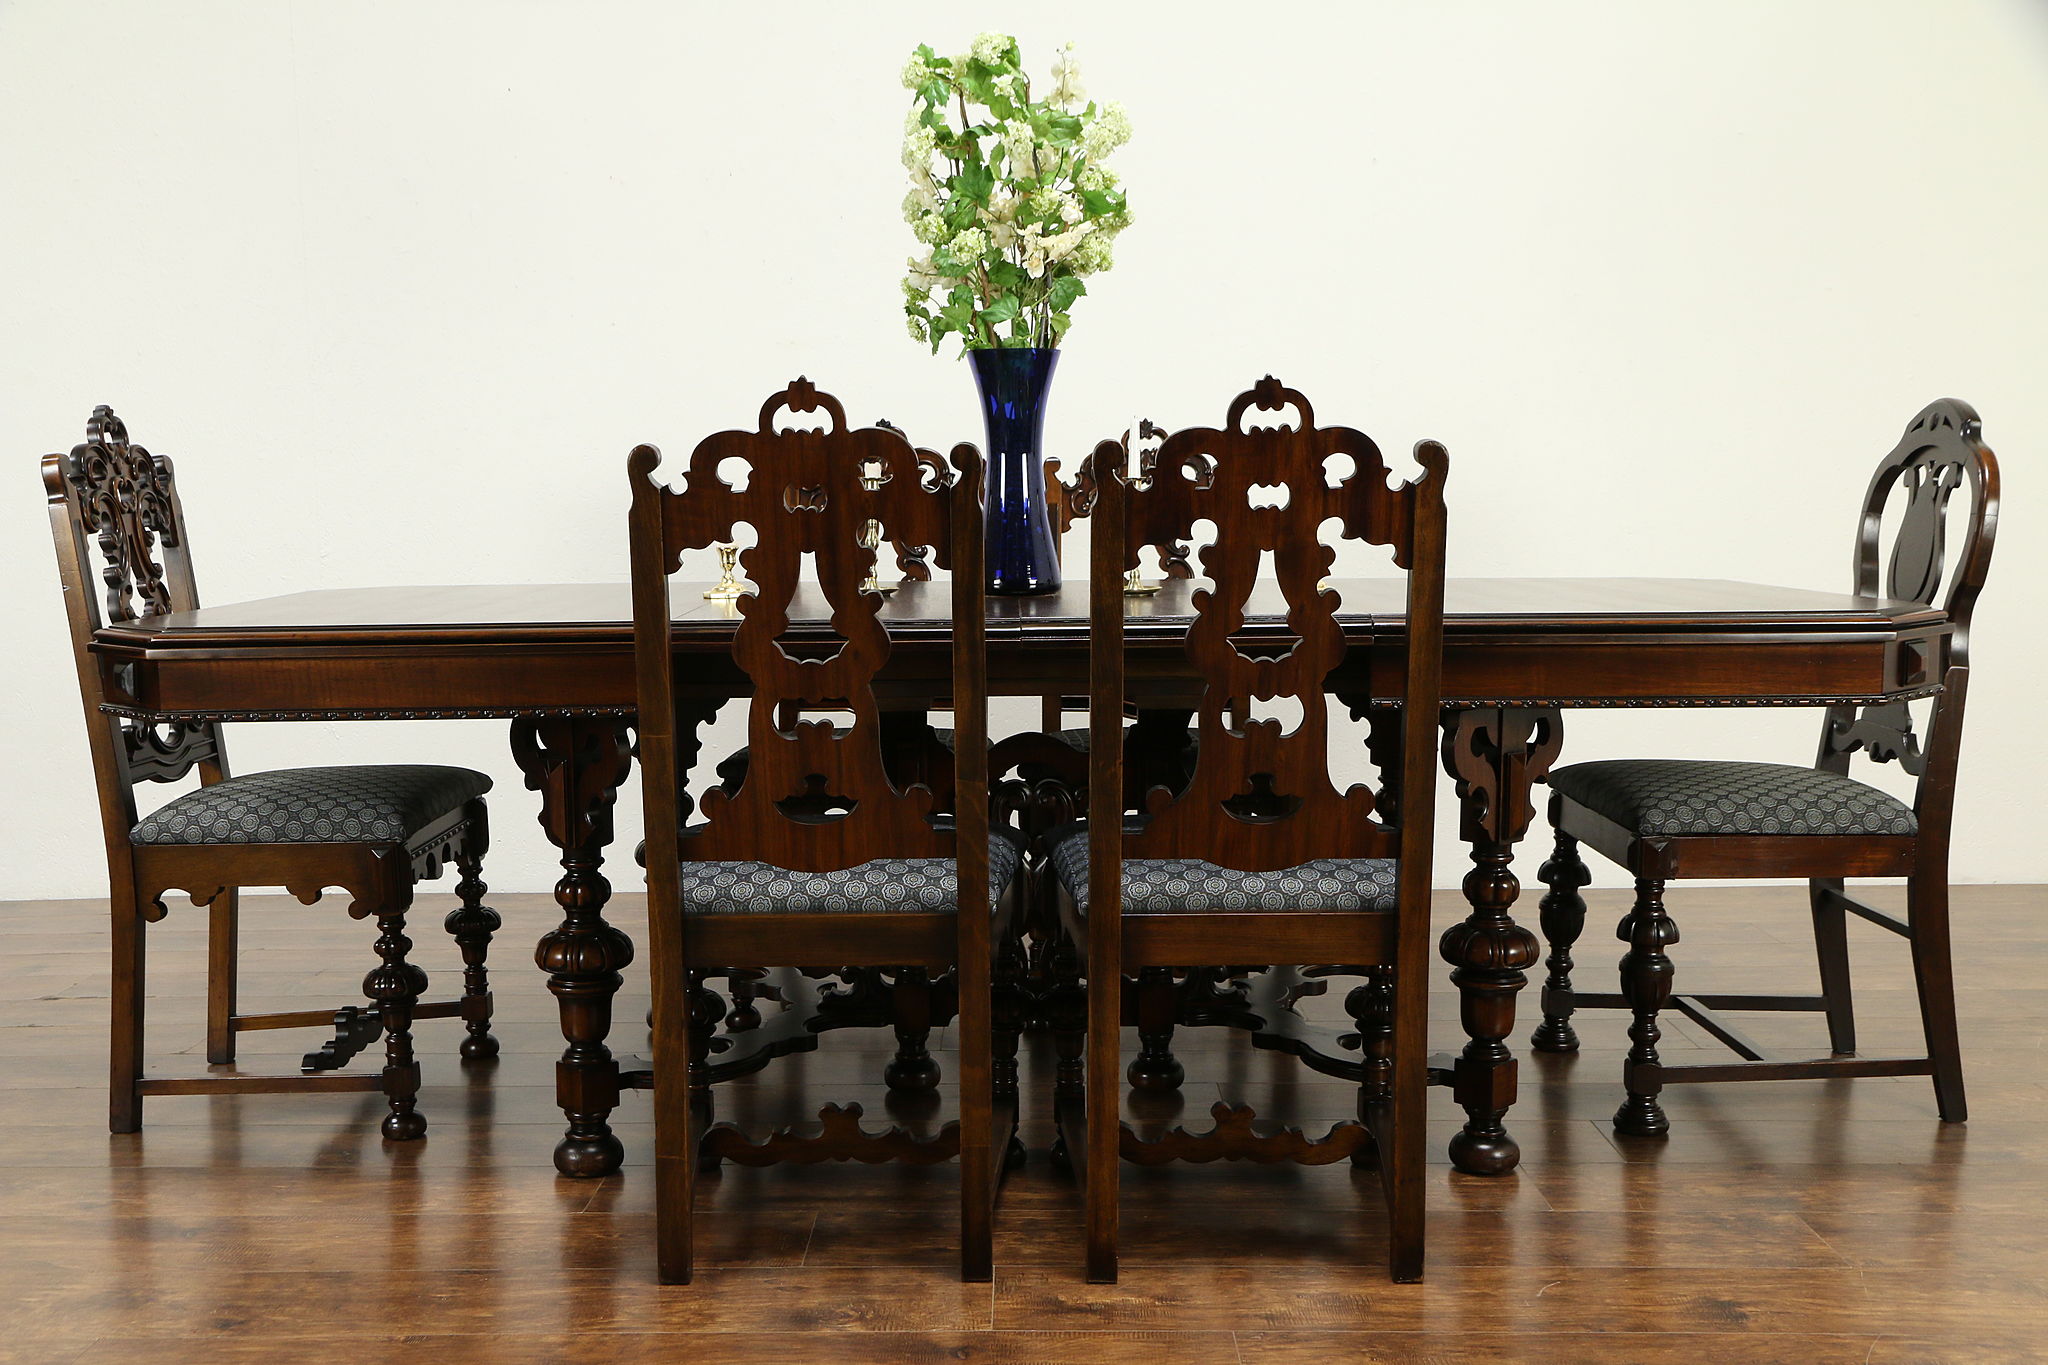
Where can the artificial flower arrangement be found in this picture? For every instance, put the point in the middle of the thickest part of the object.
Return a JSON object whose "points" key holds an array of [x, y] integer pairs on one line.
{"points": [[1014, 201]]}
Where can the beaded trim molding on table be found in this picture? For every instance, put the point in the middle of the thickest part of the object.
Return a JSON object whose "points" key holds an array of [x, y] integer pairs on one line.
{"points": [[1377, 704]]}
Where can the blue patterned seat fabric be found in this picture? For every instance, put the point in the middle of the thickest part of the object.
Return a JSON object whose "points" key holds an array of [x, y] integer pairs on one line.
{"points": [[1678, 796], [364, 804], [884, 886], [1155, 886]]}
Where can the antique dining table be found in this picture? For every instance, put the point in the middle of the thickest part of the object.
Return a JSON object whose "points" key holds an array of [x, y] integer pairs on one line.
{"points": [[557, 661]]}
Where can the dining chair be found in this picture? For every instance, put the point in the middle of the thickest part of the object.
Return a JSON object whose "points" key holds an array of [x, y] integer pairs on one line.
{"points": [[1671, 819], [817, 859], [374, 831], [1260, 857]]}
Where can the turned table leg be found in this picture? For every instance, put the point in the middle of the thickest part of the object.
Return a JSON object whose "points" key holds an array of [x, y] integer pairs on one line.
{"points": [[576, 763], [1494, 754]]}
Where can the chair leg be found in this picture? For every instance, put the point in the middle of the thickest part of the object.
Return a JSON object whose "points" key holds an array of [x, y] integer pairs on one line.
{"points": [[1104, 1125], [1155, 1068], [1831, 943], [1646, 983], [1934, 975], [1403, 1160], [1371, 1006], [471, 924], [396, 985], [1008, 1007], [707, 1011], [1066, 1008], [1563, 915], [913, 1067], [222, 939], [975, 1074], [676, 1132], [124, 1052]]}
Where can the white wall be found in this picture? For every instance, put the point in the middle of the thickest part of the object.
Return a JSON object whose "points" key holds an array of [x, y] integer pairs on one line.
{"points": [[399, 284]]}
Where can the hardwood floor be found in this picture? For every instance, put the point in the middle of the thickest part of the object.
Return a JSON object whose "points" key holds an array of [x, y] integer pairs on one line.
{"points": [[1809, 1222]]}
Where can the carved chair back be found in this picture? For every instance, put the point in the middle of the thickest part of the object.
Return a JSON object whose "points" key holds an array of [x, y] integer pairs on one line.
{"points": [[1941, 453], [816, 796], [1261, 797], [114, 509]]}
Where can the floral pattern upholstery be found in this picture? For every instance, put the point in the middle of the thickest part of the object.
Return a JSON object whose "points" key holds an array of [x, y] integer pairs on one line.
{"points": [[363, 804], [1676, 796], [1190, 886], [884, 886]]}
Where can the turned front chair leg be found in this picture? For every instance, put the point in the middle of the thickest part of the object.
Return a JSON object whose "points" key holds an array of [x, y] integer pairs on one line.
{"points": [[1563, 917], [707, 1011], [913, 1067], [1155, 1068], [124, 1054], [471, 925], [1646, 983], [395, 984], [1371, 1007]]}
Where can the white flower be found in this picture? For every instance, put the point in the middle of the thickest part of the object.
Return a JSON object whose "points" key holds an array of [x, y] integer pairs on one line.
{"points": [[1023, 153], [915, 73], [913, 294], [930, 229], [1110, 130], [917, 328], [1092, 255], [923, 273], [1093, 177], [1070, 209], [920, 201], [1066, 79], [991, 47], [918, 145], [1061, 245], [968, 244]]}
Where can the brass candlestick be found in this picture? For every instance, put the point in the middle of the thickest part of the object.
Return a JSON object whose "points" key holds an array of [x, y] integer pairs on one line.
{"points": [[1135, 584], [729, 587], [871, 536]]}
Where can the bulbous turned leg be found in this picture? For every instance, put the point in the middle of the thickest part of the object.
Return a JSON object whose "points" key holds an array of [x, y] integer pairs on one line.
{"points": [[1563, 915], [1371, 1007], [913, 1067], [707, 1012], [1646, 982], [743, 990], [396, 986], [471, 924], [576, 763], [1066, 1007], [1155, 1068]]}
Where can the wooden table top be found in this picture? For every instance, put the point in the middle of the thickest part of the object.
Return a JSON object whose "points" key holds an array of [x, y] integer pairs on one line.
{"points": [[565, 612]]}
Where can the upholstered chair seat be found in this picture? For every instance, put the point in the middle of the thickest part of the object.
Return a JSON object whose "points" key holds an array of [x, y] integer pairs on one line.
{"points": [[886, 886], [1680, 797], [1159, 886], [362, 804]]}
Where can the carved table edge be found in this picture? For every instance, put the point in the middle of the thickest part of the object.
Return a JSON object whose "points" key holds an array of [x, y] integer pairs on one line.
{"points": [[1378, 704]]}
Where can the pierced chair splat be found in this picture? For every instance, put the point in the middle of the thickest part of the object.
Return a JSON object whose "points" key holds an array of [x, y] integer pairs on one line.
{"points": [[1259, 857], [815, 858]]}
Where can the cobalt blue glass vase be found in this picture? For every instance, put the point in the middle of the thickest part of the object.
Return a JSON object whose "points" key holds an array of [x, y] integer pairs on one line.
{"points": [[1022, 551]]}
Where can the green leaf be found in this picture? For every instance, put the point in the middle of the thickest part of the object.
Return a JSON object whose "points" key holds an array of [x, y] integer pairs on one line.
{"points": [[1065, 289], [1059, 129], [1007, 275], [1060, 323], [1002, 310], [975, 181]]}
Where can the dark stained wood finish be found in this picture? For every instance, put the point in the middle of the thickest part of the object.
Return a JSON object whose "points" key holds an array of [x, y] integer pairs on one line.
{"points": [[815, 795], [559, 659], [114, 505], [1260, 797], [1940, 454]]}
